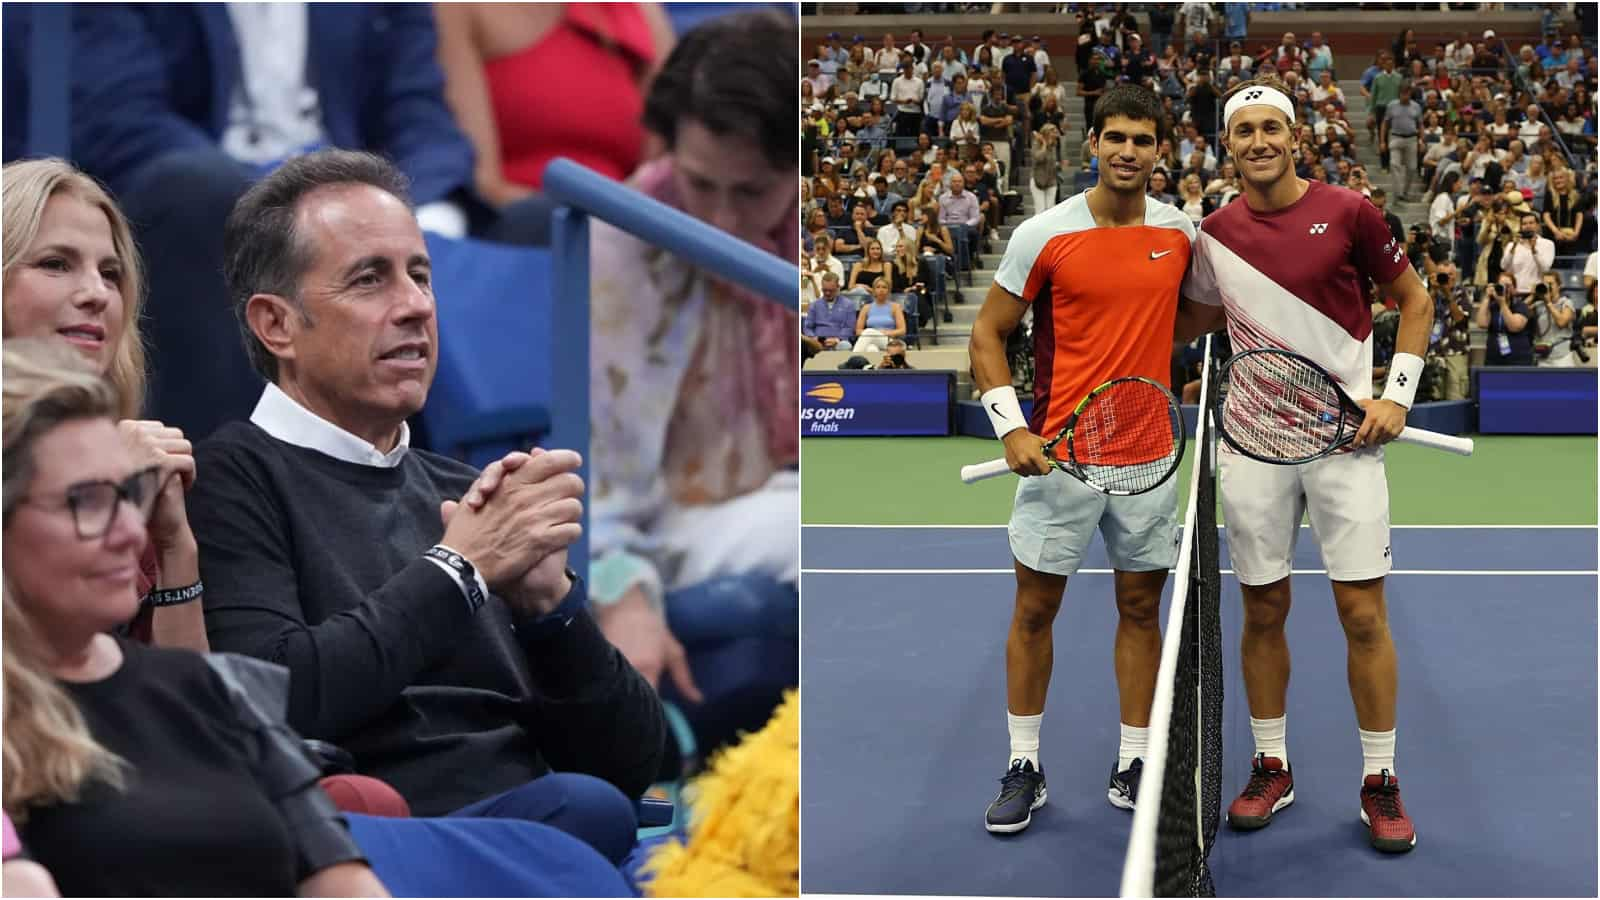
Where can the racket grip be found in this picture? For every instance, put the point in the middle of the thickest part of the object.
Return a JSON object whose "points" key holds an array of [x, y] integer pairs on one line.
{"points": [[980, 471], [1447, 442]]}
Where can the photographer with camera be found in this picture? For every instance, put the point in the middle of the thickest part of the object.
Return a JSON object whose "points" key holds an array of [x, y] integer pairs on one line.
{"points": [[1496, 231], [1446, 375], [1506, 317], [1528, 257], [894, 355], [1553, 316]]}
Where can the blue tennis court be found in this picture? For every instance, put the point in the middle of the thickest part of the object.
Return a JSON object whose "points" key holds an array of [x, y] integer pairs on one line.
{"points": [[905, 736]]}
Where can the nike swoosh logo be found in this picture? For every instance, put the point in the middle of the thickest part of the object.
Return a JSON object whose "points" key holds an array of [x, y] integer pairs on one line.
{"points": [[996, 408], [1155, 255]]}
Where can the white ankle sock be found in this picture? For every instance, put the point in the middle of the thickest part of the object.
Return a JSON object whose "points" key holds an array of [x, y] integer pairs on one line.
{"points": [[1024, 738], [1269, 735], [1134, 744], [1377, 752]]}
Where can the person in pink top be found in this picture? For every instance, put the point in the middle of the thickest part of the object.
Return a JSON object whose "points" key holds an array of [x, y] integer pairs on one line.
{"points": [[695, 384], [1289, 268]]}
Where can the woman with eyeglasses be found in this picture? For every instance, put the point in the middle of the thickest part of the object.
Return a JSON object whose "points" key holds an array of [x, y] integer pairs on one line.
{"points": [[87, 488], [71, 273]]}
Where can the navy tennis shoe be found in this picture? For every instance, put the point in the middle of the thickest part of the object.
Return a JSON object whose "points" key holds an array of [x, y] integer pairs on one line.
{"points": [[1021, 792]]}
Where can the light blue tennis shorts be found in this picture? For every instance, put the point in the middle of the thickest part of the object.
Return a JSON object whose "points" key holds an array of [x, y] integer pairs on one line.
{"points": [[1055, 516]]}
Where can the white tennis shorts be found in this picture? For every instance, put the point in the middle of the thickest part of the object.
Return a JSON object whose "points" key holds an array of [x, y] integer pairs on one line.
{"points": [[1346, 494], [1055, 516]]}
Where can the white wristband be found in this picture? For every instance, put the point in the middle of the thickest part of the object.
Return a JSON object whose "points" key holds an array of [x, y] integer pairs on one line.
{"points": [[1405, 373], [1005, 413]]}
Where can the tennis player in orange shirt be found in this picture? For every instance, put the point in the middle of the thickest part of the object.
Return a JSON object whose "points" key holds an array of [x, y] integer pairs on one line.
{"points": [[1101, 272]]}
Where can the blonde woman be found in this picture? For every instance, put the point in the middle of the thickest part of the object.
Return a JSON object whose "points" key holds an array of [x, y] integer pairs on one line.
{"points": [[1191, 199], [73, 274], [871, 267], [1562, 216], [879, 320], [1043, 185], [965, 125]]}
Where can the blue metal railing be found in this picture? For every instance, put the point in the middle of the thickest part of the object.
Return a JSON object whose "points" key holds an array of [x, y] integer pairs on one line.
{"points": [[586, 193]]}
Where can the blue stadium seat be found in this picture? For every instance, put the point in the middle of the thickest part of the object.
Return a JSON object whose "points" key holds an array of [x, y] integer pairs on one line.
{"points": [[493, 384]]}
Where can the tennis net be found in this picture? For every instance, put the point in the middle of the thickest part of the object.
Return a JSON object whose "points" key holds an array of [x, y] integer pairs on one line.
{"points": [[1180, 795]]}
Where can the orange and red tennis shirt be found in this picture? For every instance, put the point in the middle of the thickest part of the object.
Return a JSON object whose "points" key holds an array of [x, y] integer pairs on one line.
{"points": [[1104, 301]]}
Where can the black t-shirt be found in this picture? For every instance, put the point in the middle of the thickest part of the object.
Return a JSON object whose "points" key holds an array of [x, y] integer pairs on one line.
{"points": [[1517, 350], [1092, 80], [194, 819], [1203, 107], [1017, 68], [1136, 67]]}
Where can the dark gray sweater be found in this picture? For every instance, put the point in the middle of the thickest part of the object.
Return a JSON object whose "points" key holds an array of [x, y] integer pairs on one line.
{"points": [[314, 563]]}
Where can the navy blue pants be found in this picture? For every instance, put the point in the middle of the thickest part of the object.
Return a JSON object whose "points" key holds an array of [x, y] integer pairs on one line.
{"points": [[588, 808]]}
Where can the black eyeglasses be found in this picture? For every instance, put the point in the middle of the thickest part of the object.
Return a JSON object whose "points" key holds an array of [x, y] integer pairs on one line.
{"points": [[94, 504]]}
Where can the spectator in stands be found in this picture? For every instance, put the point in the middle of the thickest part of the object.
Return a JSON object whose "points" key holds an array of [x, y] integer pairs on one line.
{"points": [[1198, 20], [71, 269], [1158, 186], [879, 321], [1049, 86], [1318, 57], [187, 104], [1446, 207], [907, 92], [959, 211], [1398, 137], [898, 230], [1191, 198], [1235, 65], [494, 57], [1355, 178], [1203, 103], [1333, 126], [1385, 89], [1046, 167], [94, 744], [1505, 315], [1531, 182], [1325, 91], [965, 126], [693, 487], [926, 198], [872, 266], [816, 264], [1092, 81], [853, 242], [829, 320], [1563, 213], [1019, 72], [387, 650], [1529, 255], [936, 251]]}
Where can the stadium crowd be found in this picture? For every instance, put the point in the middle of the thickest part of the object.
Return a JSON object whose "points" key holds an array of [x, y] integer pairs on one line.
{"points": [[1492, 145], [411, 644]]}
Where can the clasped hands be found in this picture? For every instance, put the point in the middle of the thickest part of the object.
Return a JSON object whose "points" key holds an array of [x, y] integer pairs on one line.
{"points": [[515, 523]]}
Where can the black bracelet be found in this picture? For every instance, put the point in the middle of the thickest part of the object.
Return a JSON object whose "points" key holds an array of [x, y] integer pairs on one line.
{"points": [[462, 568], [174, 596]]}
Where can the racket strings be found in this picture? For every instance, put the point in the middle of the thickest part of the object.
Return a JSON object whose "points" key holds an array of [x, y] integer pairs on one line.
{"points": [[1272, 406], [1126, 438]]}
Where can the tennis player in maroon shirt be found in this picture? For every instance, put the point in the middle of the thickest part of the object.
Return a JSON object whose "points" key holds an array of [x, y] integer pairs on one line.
{"points": [[1288, 266]]}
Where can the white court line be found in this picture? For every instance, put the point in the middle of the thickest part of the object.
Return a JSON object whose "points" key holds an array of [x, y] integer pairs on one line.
{"points": [[1589, 573], [1302, 525]]}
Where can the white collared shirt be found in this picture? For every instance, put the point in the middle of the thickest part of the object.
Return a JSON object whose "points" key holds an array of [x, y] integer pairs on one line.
{"points": [[284, 418], [273, 113]]}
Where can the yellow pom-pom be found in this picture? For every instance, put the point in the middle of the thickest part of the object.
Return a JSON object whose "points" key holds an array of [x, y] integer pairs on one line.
{"points": [[744, 820]]}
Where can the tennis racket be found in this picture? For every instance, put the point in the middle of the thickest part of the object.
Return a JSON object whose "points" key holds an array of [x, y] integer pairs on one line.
{"points": [[1281, 408], [1125, 438]]}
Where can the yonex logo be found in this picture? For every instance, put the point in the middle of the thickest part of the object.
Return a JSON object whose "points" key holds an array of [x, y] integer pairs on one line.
{"points": [[1318, 228], [1401, 379], [1252, 95]]}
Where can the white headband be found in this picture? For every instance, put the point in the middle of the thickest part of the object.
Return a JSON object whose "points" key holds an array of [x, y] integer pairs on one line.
{"points": [[1258, 95]]}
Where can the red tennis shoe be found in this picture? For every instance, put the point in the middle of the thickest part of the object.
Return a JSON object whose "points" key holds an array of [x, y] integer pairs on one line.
{"points": [[1388, 826], [1271, 788]]}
